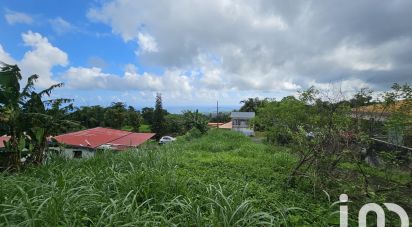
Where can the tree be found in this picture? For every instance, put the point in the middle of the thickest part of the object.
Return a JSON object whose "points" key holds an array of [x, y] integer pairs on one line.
{"points": [[133, 119], [222, 117], [399, 99], [11, 100], [147, 114], [158, 125], [114, 116], [280, 118], [315, 129], [174, 124], [195, 120], [362, 98], [253, 104], [24, 115]]}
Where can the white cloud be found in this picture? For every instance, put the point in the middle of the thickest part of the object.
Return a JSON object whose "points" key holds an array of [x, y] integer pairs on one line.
{"points": [[87, 78], [240, 48], [213, 79], [5, 57], [147, 43], [360, 58], [131, 30], [61, 26], [226, 43], [13, 17], [340, 90], [173, 81], [41, 59], [268, 45]]}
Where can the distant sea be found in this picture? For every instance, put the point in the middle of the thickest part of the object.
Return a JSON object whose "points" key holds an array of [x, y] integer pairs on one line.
{"points": [[202, 109]]}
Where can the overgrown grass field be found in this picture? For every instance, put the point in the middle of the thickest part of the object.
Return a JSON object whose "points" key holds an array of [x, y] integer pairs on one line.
{"points": [[221, 179]]}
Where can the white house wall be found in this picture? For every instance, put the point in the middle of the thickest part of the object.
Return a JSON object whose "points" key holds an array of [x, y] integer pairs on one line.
{"points": [[69, 152]]}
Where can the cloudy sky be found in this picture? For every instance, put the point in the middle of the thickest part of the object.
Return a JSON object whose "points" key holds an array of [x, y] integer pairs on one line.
{"points": [[196, 52]]}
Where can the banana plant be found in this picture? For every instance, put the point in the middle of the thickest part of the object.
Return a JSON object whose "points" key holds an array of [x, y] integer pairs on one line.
{"points": [[25, 115]]}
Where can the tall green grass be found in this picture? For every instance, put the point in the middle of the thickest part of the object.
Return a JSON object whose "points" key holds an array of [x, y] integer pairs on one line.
{"points": [[221, 179]]}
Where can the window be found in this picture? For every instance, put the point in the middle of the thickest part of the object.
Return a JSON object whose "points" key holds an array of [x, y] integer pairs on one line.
{"points": [[77, 154]]}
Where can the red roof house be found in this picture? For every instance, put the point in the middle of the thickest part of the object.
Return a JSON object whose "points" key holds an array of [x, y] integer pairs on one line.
{"points": [[3, 139], [104, 137]]}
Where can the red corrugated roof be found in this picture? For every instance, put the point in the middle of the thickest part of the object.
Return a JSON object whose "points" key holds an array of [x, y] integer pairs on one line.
{"points": [[132, 139], [96, 137], [3, 139]]}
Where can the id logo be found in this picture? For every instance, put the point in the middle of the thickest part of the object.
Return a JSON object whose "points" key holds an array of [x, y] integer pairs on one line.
{"points": [[372, 207]]}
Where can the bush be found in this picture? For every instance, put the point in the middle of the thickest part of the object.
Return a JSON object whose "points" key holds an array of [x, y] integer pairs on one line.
{"points": [[193, 133], [279, 135]]}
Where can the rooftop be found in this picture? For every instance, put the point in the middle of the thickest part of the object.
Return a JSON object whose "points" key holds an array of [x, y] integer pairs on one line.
{"points": [[385, 109], [226, 125], [242, 115], [214, 124], [3, 139], [95, 137]]}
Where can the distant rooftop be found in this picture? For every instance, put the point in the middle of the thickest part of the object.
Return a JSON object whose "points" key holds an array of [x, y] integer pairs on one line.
{"points": [[226, 125], [242, 115], [385, 109]]}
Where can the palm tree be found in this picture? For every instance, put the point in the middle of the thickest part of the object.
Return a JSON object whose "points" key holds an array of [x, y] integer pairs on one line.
{"points": [[25, 115]]}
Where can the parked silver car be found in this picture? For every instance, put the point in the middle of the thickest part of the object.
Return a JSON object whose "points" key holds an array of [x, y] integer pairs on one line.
{"points": [[166, 139]]}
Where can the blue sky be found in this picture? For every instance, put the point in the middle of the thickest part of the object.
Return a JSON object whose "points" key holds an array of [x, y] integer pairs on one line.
{"points": [[197, 52]]}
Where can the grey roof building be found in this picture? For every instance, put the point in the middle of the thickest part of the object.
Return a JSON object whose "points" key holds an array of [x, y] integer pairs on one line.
{"points": [[241, 122], [245, 115]]}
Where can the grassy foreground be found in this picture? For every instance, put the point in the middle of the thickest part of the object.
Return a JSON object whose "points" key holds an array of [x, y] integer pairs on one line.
{"points": [[221, 179]]}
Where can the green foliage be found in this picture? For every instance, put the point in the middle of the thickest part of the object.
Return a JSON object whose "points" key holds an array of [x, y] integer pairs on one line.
{"points": [[399, 123], [221, 117], [180, 124], [323, 132], [193, 133], [117, 116], [174, 125], [158, 125], [26, 117], [309, 95], [180, 184], [362, 98], [133, 119], [194, 120], [313, 128], [279, 119], [219, 179], [253, 104], [89, 116], [147, 115], [144, 128]]}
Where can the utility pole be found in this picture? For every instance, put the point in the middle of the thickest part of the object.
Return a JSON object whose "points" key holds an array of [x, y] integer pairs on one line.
{"points": [[217, 113]]}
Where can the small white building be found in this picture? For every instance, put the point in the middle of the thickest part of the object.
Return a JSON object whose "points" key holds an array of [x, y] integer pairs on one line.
{"points": [[241, 122]]}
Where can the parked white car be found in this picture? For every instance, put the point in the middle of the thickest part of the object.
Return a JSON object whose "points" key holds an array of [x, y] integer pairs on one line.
{"points": [[166, 139]]}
